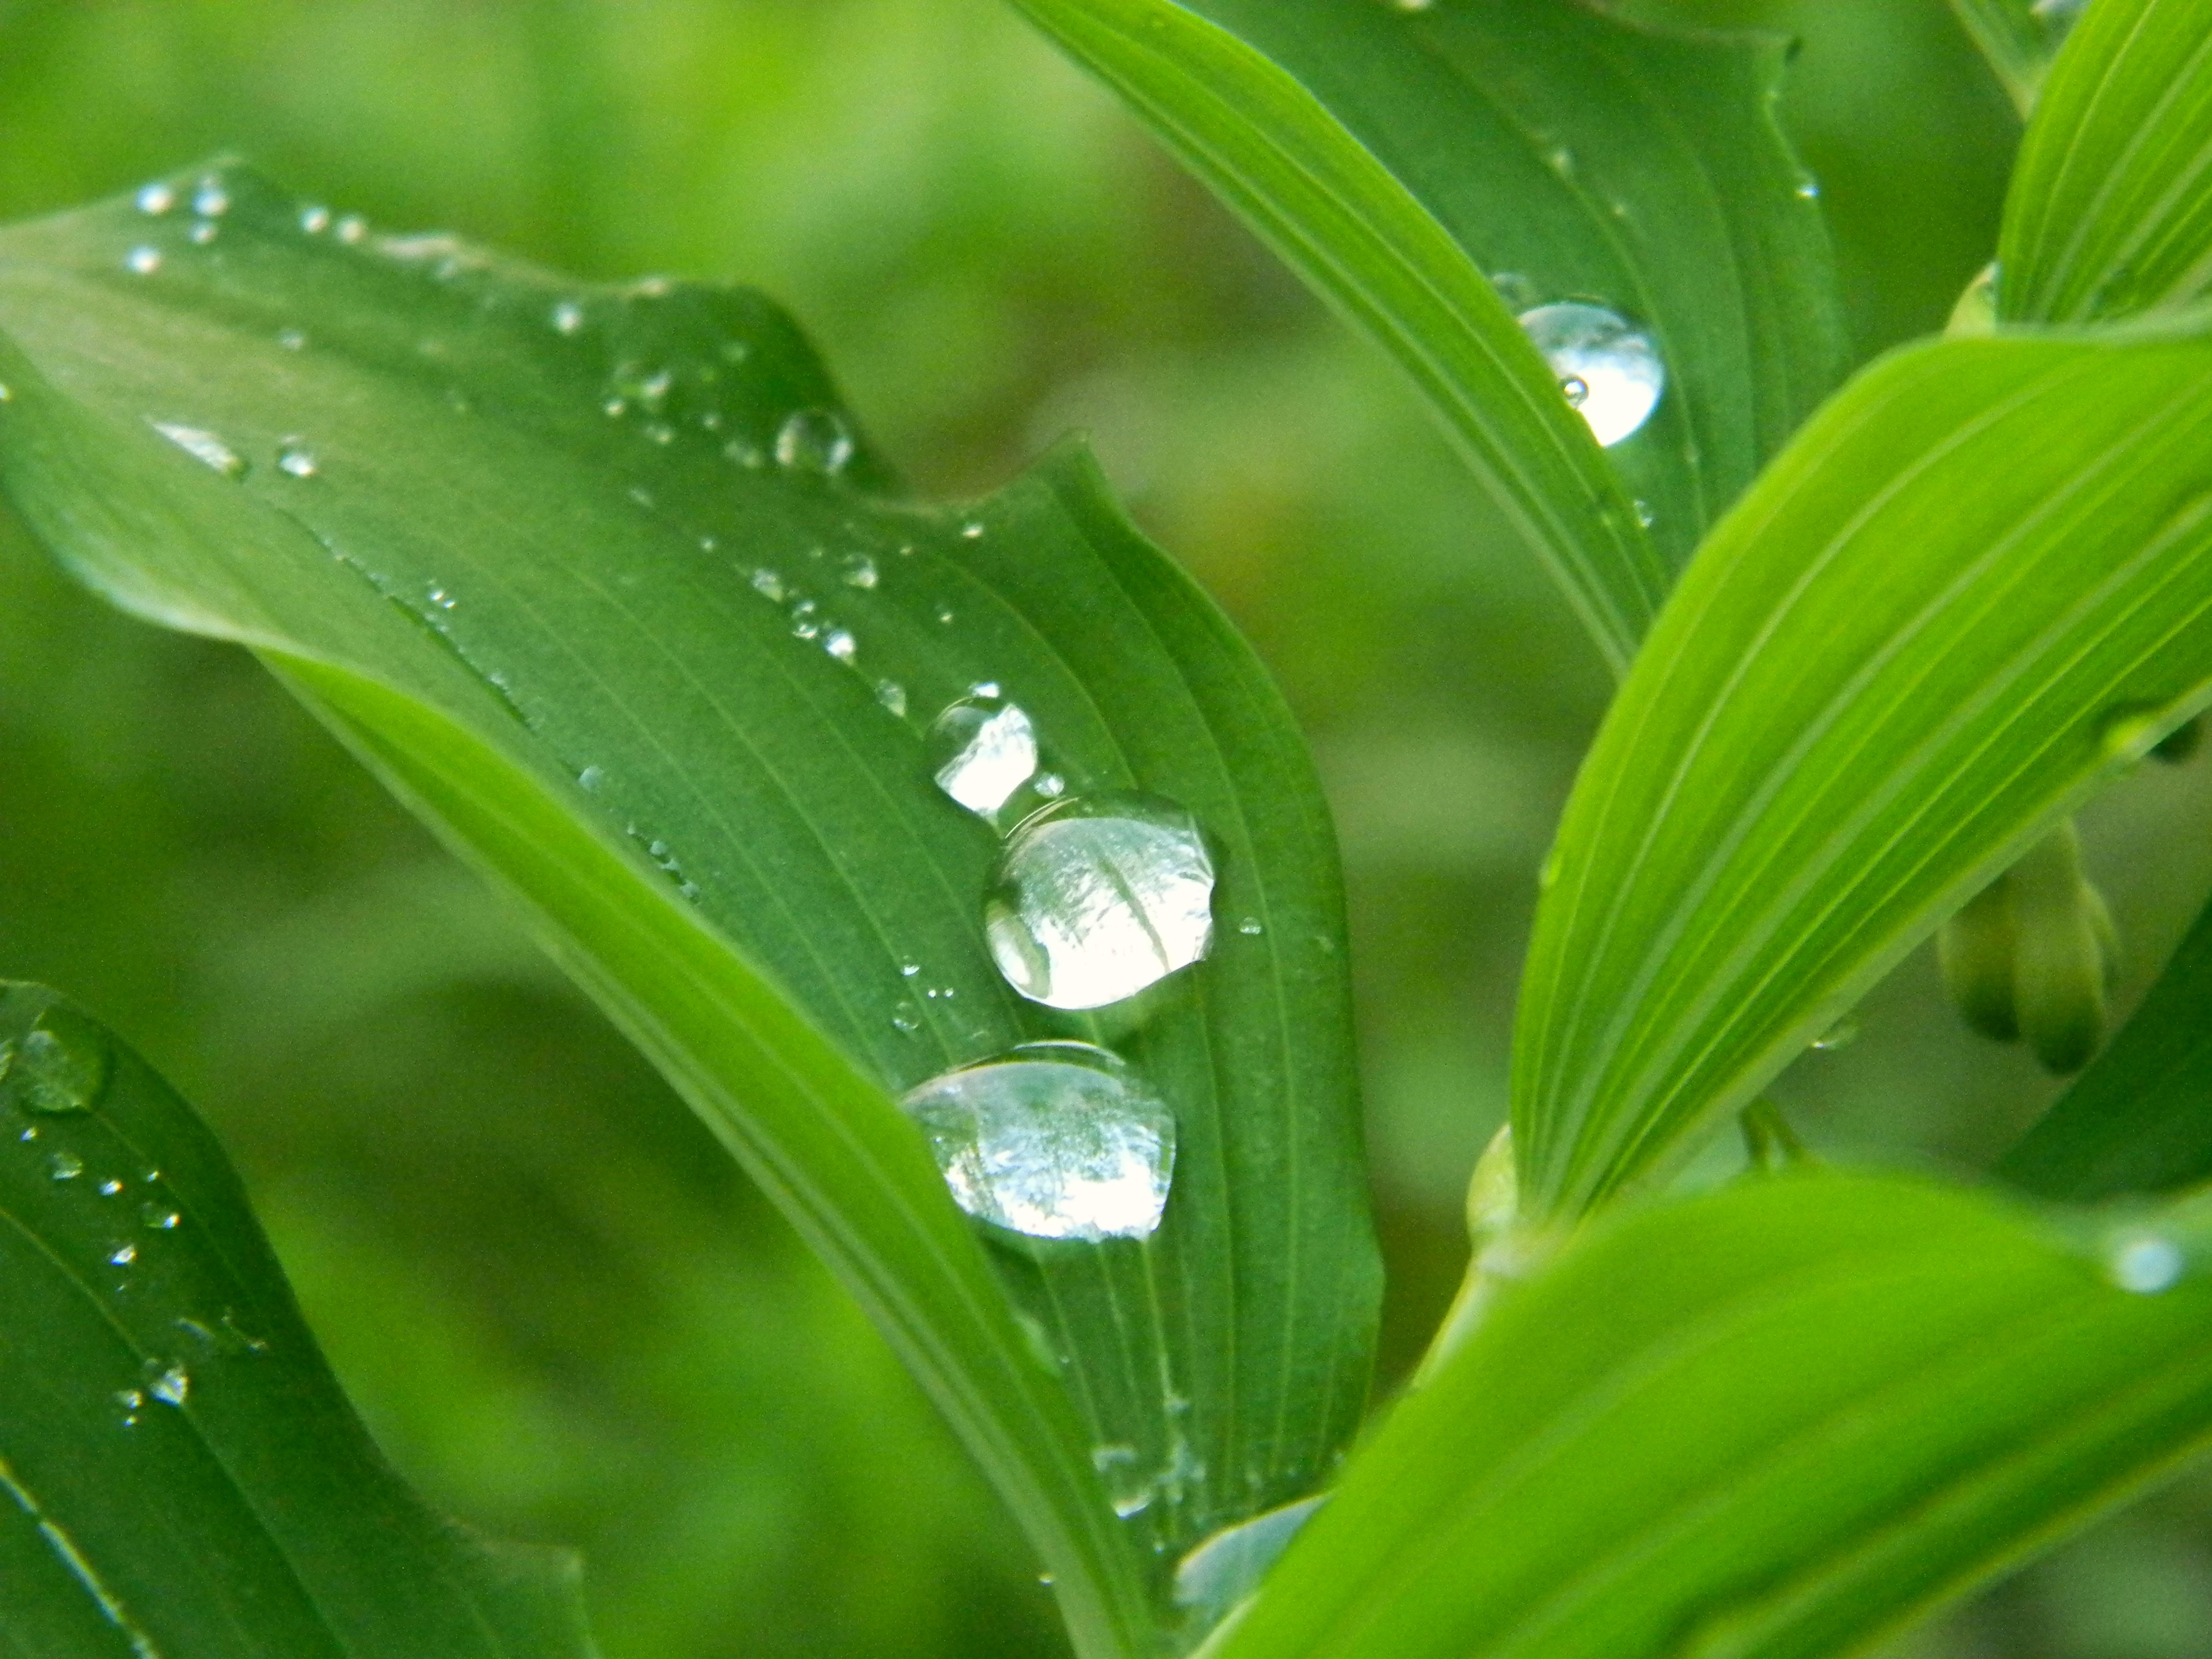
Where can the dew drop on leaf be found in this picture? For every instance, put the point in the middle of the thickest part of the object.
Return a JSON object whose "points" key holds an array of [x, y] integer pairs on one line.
{"points": [[1614, 363], [295, 460], [143, 261], [61, 1065], [1055, 1140], [813, 440], [1098, 898], [984, 749], [156, 199], [66, 1166], [2147, 1265], [171, 1386], [203, 447]]}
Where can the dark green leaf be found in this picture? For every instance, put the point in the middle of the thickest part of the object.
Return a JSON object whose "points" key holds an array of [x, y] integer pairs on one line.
{"points": [[179, 1474], [2111, 209], [1394, 158], [2140, 1118], [548, 577], [1978, 585], [1772, 1421]]}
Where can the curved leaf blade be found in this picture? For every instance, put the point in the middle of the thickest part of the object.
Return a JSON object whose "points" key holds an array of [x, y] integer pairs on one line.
{"points": [[1775, 1421], [2111, 207], [544, 575], [2140, 1118], [2017, 39], [1979, 583], [1393, 159], [179, 1474]]}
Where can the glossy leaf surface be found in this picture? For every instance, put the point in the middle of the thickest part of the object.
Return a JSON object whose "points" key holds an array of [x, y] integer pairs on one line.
{"points": [[1775, 1421], [179, 1475], [602, 582], [1400, 159], [2140, 1118], [1978, 585], [2111, 207]]}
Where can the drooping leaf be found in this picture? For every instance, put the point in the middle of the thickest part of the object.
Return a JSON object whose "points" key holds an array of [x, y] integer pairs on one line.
{"points": [[1979, 583], [179, 1474], [2140, 1118], [580, 573], [1398, 158], [2017, 37], [2111, 207], [1776, 1420]]}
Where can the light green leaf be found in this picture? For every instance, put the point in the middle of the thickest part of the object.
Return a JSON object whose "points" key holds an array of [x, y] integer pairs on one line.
{"points": [[2017, 37], [2111, 207], [1394, 159], [534, 557], [1774, 1421], [1979, 584], [179, 1475], [2140, 1118]]}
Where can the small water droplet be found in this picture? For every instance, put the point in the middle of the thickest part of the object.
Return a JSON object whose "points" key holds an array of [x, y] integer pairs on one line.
{"points": [[1050, 785], [642, 496], [813, 440], [2147, 1265], [123, 1254], [910, 970], [295, 460], [985, 750], [568, 317], [211, 200], [972, 532], [592, 777], [172, 1386], [160, 1218], [1808, 188], [861, 573], [314, 220], [292, 339], [1098, 898], [1614, 363], [1250, 928], [203, 447], [892, 695], [839, 643], [1841, 1035], [111, 1188], [7, 394], [1644, 515], [1056, 1141], [130, 1399], [205, 232], [768, 585], [143, 261], [65, 1165], [352, 228], [61, 1065], [1129, 1487], [156, 198]]}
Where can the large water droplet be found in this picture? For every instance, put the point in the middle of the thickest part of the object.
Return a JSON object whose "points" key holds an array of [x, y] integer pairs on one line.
{"points": [[1099, 898], [156, 198], [986, 749], [2147, 1265], [813, 440], [203, 447], [1607, 368], [1056, 1141], [1228, 1567], [60, 1064]]}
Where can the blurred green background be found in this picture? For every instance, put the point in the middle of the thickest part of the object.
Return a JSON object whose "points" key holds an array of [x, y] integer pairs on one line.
{"points": [[563, 1312]]}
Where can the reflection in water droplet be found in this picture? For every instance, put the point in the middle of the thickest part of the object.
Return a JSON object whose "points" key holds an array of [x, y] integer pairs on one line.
{"points": [[892, 695], [1228, 1567], [66, 1166], [314, 220], [172, 1386], [123, 1254], [1050, 785], [813, 440], [1575, 390], [861, 573], [143, 261], [2147, 1265], [60, 1064], [839, 643], [205, 447], [110, 1189], [1128, 1488], [1098, 898], [1615, 364], [211, 200], [156, 198], [985, 750], [769, 585], [1056, 1141], [568, 317], [130, 1399], [160, 1217], [1251, 927], [1843, 1033], [295, 459]]}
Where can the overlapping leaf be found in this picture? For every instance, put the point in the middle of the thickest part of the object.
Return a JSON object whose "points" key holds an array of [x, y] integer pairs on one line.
{"points": [[2111, 207], [1980, 582], [1774, 1421], [527, 546], [179, 1475], [1396, 159], [2017, 37]]}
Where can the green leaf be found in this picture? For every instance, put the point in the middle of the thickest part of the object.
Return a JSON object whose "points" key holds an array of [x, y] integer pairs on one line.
{"points": [[179, 1474], [546, 575], [1978, 585], [2017, 37], [2140, 1118], [1393, 159], [1776, 1420], [2111, 207]]}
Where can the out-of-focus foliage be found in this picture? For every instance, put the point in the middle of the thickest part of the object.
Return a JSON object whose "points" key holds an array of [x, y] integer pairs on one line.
{"points": [[563, 1314]]}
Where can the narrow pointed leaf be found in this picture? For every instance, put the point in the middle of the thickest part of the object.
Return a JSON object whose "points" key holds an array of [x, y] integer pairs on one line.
{"points": [[1395, 160], [179, 1474], [1978, 585], [579, 572], [1777, 1420], [2111, 207], [2140, 1118]]}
